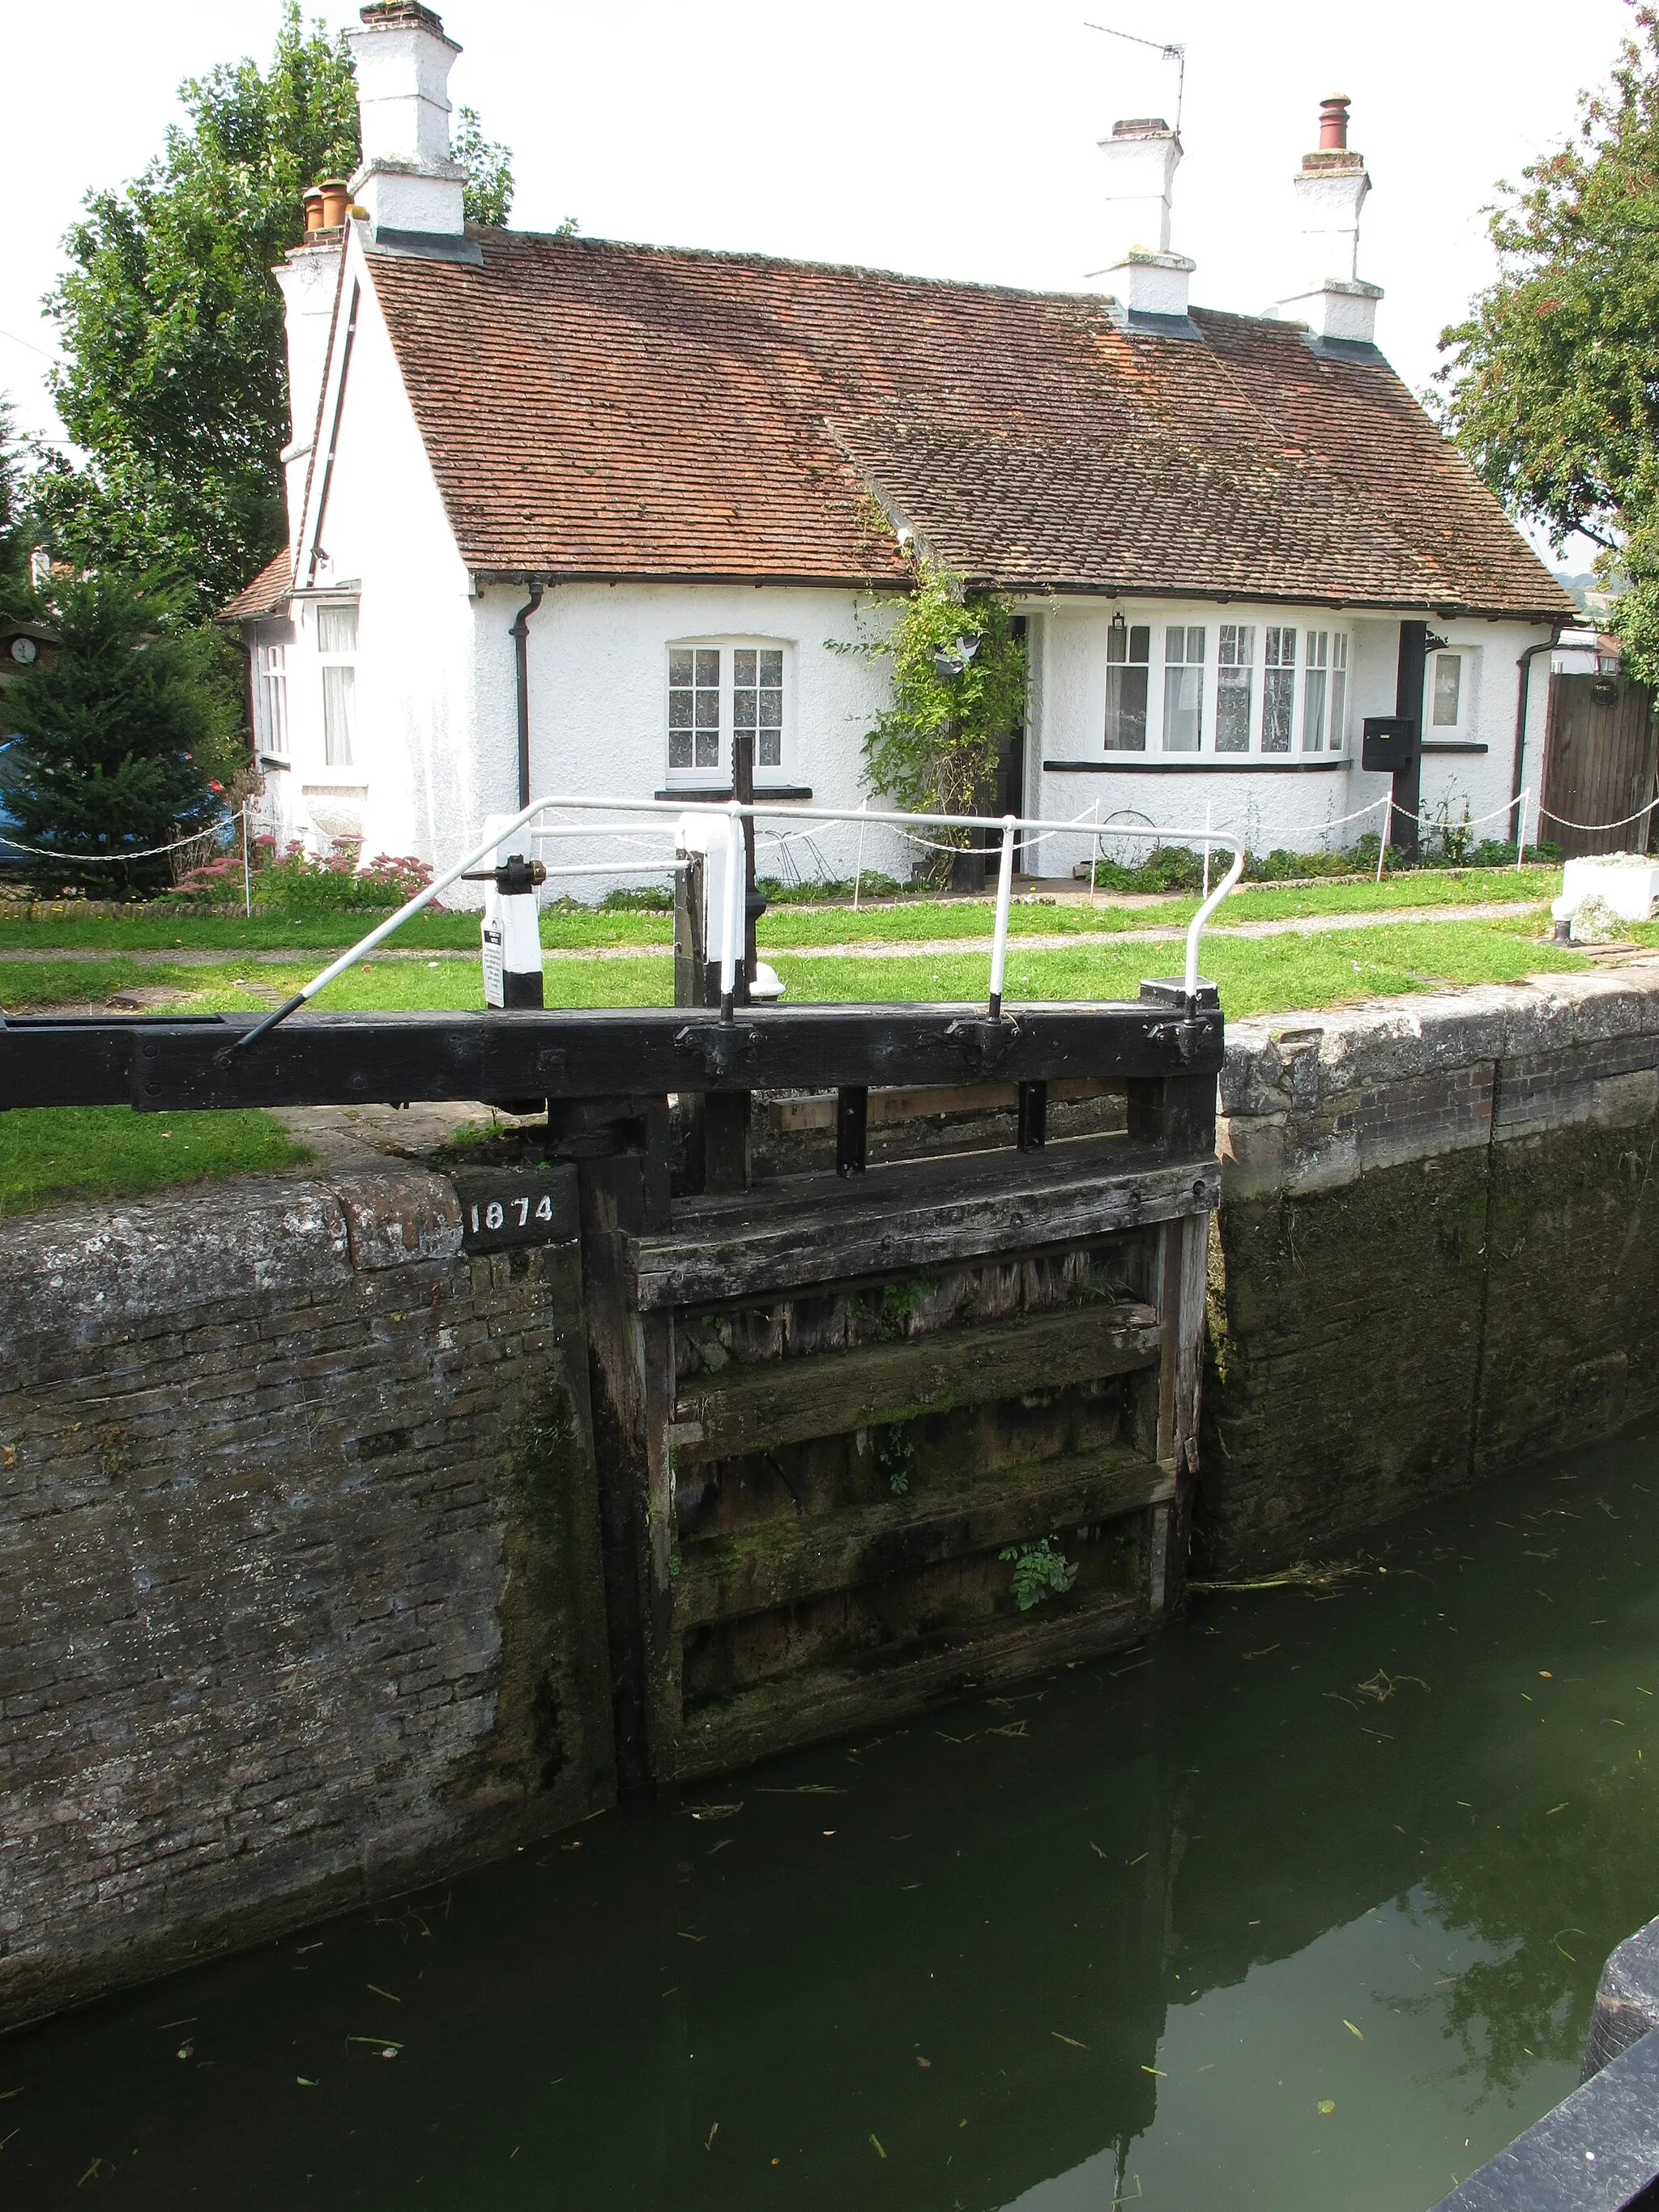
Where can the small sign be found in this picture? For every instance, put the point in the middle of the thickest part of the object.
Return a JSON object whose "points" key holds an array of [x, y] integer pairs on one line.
{"points": [[509, 1207], [493, 981]]}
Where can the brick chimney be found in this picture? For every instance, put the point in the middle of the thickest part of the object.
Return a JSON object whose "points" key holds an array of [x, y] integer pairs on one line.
{"points": [[1330, 189], [1141, 272], [407, 184]]}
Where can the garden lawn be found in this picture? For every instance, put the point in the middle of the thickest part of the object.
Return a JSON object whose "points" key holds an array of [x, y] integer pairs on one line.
{"points": [[148, 931], [51, 1154]]}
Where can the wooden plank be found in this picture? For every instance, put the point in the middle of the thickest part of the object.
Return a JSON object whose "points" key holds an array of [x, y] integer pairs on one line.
{"points": [[318, 1059], [790, 1559], [784, 1401], [917, 1214], [788, 1115], [804, 1708]]}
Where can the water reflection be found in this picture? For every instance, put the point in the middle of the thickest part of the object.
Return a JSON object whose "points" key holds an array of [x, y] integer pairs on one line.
{"points": [[1304, 1906]]}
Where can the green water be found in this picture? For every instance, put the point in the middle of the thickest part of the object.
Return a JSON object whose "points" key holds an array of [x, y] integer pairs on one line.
{"points": [[1120, 1938]]}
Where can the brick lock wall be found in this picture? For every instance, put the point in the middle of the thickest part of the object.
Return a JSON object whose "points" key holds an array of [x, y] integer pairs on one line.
{"points": [[1436, 1256], [299, 1558]]}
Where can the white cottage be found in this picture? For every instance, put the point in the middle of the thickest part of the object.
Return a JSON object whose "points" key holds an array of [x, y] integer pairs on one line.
{"points": [[563, 512]]}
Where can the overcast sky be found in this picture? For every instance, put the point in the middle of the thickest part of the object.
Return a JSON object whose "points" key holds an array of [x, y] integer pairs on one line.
{"points": [[944, 138]]}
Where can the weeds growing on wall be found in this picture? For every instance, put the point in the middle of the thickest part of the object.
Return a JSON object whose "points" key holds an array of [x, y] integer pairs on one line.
{"points": [[1042, 1570]]}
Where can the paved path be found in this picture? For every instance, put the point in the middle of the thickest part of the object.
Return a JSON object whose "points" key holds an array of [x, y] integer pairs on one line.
{"points": [[919, 948]]}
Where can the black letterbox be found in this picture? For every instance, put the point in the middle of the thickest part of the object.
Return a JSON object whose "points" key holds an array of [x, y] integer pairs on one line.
{"points": [[1390, 743]]}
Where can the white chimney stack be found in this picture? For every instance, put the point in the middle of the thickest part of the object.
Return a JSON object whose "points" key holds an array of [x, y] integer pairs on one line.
{"points": [[1145, 277], [408, 183], [1330, 190], [309, 278]]}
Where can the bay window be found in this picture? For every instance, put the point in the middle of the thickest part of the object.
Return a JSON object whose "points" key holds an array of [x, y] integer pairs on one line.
{"points": [[1279, 690], [1235, 687], [1183, 687], [1128, 675]]}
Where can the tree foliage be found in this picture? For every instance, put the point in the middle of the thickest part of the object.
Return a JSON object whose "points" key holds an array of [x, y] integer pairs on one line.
{"points": [[488, 195], [1552, 386], [958, 692], [17, 597], [175, 380], [124, 733]]}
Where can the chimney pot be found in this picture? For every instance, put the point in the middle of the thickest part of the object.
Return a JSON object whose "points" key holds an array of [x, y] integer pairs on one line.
{"points": [[313, 206], [334, 196], [1333, 123]]}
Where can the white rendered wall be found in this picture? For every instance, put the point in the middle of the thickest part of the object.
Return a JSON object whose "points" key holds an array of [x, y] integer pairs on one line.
{"points": [[411, 787], [1277, 801]]}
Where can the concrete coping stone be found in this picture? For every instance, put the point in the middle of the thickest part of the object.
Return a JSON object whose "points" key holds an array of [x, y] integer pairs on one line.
{"points": [[113, 1261], [1280, 1061]]}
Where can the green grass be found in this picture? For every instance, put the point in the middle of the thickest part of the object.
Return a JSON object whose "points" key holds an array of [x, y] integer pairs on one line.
{"points": [[51, 1154], [148, 931]]}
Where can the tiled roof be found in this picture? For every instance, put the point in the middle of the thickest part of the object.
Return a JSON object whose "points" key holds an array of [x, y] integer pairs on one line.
{"points": [[605, 410], [265, 595]]}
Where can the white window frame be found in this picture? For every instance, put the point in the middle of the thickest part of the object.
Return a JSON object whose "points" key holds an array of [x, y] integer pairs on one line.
{"points": [[1468, 693], [351, 766], [767, 776], [1317, 634], [271, 734]]}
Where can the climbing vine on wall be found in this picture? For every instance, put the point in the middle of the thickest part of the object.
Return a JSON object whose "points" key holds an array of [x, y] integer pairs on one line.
{"points": [[958, 692]]}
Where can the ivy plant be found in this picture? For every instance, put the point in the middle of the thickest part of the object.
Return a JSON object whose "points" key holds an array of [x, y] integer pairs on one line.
{"points": [[958, 693]]}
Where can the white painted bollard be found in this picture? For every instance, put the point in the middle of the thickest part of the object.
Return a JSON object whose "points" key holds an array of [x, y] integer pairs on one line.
{"points": [[511, 931]]}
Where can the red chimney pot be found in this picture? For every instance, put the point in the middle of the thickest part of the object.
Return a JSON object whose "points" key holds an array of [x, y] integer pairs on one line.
{"points": [[1334, 123]]}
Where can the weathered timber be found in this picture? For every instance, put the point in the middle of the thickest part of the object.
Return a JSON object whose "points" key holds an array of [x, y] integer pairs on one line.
{"points": [[791, 1116], [318, 1059], [852, 1130], [1181, 1264], [783, 1401], [828, 1701], [790, 1559], [916, 1214]]}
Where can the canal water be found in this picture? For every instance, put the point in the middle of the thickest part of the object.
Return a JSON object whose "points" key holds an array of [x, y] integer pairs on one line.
{"points": [[1302, 1907]]}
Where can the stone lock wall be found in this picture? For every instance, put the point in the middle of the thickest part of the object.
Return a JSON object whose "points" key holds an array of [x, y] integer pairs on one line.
{"points": [[298, 1566], [1436, 1257]]}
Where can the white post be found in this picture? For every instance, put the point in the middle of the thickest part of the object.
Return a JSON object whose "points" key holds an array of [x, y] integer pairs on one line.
{"points": [[1206, 849], [248, 867], [1387, 804], [1004, 895], [1094, 856], [858, 872], [730, 924], [1521, 831]]}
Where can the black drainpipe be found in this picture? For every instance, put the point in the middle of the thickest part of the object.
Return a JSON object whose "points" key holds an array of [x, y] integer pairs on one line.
{"points": [[520, 634]]}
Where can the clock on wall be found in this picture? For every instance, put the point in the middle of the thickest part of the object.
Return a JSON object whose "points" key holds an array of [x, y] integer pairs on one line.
{"points": [[24, 649]]}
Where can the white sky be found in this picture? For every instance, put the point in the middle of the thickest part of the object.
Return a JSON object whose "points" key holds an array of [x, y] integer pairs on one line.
{"points": [[944, 138]]}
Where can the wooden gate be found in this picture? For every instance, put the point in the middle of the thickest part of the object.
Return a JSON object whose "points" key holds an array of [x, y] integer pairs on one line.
{"points": [[1598, 764]]}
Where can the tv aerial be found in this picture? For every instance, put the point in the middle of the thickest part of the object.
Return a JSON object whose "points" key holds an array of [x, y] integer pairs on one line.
{"points": [[1177, 54]]}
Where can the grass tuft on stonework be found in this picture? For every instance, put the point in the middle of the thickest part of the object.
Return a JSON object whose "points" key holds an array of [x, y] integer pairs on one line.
{"points": [[52, 1155]]}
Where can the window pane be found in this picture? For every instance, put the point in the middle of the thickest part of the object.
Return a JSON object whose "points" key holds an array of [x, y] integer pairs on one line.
{"points": [[336, 629], [771, 710], [1125, 708], [708, 668], [679, 749], [1313, 708], [679, 666], [1175, 645], [337, 686], [768, 753], [1281, 648], [743, 665], [1319, 648], [1448, 688], [708, 716], [1337, 731], [679, 710], [1277, 691], [743, 709], [1234, 698], [771, 666], [709, 748], [1140, 641], [1184, 707]]}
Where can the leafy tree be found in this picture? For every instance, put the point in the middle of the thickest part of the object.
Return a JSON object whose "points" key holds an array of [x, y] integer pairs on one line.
{"points": [[1552, 386], [127, 734], [488, 194], [174, 381], [958, 692], [17, 597]]}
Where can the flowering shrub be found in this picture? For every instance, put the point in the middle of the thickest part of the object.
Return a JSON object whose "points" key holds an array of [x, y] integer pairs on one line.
{"points": [[296, 883]]}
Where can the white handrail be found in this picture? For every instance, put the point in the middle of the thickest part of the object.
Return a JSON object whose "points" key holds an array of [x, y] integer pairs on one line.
{"points": [[734, 813]]}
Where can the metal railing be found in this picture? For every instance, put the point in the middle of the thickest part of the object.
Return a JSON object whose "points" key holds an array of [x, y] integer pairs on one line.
{"points": [[1013, 830]]}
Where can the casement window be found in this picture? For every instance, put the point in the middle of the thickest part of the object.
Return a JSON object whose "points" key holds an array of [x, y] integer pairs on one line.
{"points": [[1446, 694], [1279, 690], [716, 692], [337, 652], [1129, 677], [1183, 686], [1235, 687], [270, 699]]}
